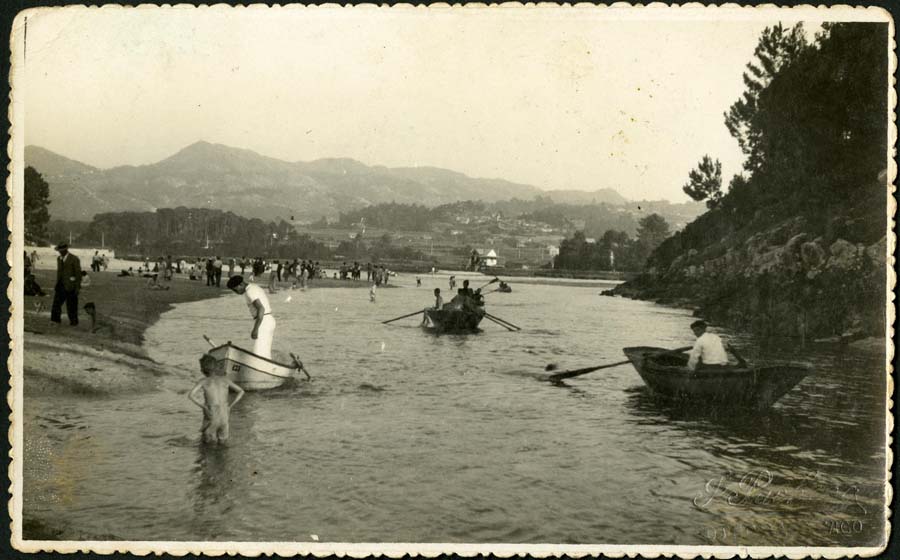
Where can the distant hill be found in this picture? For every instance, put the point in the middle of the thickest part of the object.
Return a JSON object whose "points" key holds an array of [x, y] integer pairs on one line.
{"points": [[51, 164], [205, 175]]}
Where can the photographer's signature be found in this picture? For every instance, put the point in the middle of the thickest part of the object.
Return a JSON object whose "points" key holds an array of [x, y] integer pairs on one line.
{"points": [[760, 488]]}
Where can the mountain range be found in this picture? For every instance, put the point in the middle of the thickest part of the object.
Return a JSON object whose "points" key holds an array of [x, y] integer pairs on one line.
{"points": [[209, 175]]}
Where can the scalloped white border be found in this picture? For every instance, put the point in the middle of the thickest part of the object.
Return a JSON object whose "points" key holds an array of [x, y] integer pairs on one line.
{"points": [[615, 11]]}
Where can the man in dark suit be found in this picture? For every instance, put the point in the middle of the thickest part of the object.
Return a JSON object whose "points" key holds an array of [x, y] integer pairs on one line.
{"points": [[68, 283]]}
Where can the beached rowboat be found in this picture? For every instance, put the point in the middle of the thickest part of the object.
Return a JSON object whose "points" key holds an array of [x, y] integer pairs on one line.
{"points": [[454, 318], [250, 371], [754, 386]]}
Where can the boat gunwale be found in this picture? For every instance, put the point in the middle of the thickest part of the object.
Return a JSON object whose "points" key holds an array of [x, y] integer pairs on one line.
{"points": [[257, 356], [440, 325], [642, 353]]}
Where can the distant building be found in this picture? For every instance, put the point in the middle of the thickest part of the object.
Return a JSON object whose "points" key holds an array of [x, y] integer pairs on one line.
{"points": [[490, 259], [553, 250]]}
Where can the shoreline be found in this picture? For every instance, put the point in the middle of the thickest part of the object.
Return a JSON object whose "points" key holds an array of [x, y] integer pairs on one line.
{"points": [[129, 305]]}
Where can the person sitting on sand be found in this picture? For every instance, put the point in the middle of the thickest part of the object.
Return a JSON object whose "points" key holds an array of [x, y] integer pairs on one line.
{"points": [[31, 286], [215, 405], [153, 284], [98, 324], [128, 272], [85, 279], [708, 349]]}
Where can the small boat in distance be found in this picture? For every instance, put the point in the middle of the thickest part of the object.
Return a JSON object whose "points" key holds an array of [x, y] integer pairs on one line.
{"points": [[454, 318], [750, 386], [252, 372], [504, 288]]}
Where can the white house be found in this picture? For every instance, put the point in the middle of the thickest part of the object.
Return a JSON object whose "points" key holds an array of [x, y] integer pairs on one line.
{"points": [[490, 259]]}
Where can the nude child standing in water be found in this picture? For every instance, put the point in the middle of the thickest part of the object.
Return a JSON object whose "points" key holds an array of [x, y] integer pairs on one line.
{"points": [[215, 405]]}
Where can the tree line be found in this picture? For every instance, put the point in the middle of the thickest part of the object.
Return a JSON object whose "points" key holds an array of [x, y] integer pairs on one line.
{"points": [[615, 250], [202, 231], [597, 218]]}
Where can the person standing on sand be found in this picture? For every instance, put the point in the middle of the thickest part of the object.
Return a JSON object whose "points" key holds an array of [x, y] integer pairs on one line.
{"points": [[217, 270], [215, 405], [273, 288], [263, 332], [68, 283]]}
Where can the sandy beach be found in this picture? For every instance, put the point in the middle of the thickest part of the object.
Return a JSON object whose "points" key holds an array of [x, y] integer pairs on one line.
{"points": [[83, 362]]}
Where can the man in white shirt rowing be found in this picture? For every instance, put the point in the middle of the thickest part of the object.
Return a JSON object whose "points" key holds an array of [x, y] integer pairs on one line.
{"points": [[263, 322], [708, 349]]}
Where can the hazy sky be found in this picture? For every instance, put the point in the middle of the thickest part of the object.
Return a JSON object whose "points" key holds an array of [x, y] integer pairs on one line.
{"points": [[556, 98]]}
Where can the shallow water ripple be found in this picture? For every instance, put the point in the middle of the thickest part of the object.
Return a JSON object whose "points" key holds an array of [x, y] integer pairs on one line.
{"points": [[407, 436]]}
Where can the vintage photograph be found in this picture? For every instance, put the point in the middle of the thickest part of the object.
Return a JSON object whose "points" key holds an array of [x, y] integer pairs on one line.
{"points": [[423, 280]]}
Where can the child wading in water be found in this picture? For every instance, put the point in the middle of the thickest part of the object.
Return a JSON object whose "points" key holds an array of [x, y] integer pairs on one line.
{"points": [[215, 405]]}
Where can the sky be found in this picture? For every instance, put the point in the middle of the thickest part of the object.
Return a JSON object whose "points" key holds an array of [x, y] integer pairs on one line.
{"points": [[553, 97]]}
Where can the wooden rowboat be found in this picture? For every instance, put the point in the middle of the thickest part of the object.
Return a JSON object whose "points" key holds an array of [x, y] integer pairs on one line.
{"points": [[252, 372], [454, 318], [754, 386]]}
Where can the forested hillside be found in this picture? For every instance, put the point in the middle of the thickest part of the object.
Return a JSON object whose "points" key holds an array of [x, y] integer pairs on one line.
{"points": [[796, 244]]}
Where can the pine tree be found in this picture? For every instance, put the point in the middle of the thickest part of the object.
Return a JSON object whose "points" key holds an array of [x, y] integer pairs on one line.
{"points": [[37, 200], [705, 182]]}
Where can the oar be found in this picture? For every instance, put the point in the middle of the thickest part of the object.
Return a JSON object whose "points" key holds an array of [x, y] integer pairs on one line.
{"points": [[489, 283], [491, 292], [576, 372], [507, 327], [498, 319], [299, 365], [401, 317], [211, 343]]}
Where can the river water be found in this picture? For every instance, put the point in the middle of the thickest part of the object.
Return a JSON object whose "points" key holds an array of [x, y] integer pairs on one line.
{"points": [[405, 436]]}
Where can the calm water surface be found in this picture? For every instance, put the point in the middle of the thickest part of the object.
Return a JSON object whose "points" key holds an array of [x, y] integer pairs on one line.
{"points": [[407, 436]]}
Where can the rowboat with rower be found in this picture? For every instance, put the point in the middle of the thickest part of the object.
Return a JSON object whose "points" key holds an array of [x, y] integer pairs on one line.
{"points": [[461, 315], [251, 371], [744, 385]]}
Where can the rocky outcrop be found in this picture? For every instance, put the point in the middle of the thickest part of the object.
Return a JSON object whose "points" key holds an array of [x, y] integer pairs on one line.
{"points": [[785, 281]]}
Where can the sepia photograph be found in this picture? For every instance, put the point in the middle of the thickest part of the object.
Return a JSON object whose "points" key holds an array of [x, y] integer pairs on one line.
{"points": [[516, 279]]}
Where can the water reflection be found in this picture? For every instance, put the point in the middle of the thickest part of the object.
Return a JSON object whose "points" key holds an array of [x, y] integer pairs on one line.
{"points": [[214, 479]]}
